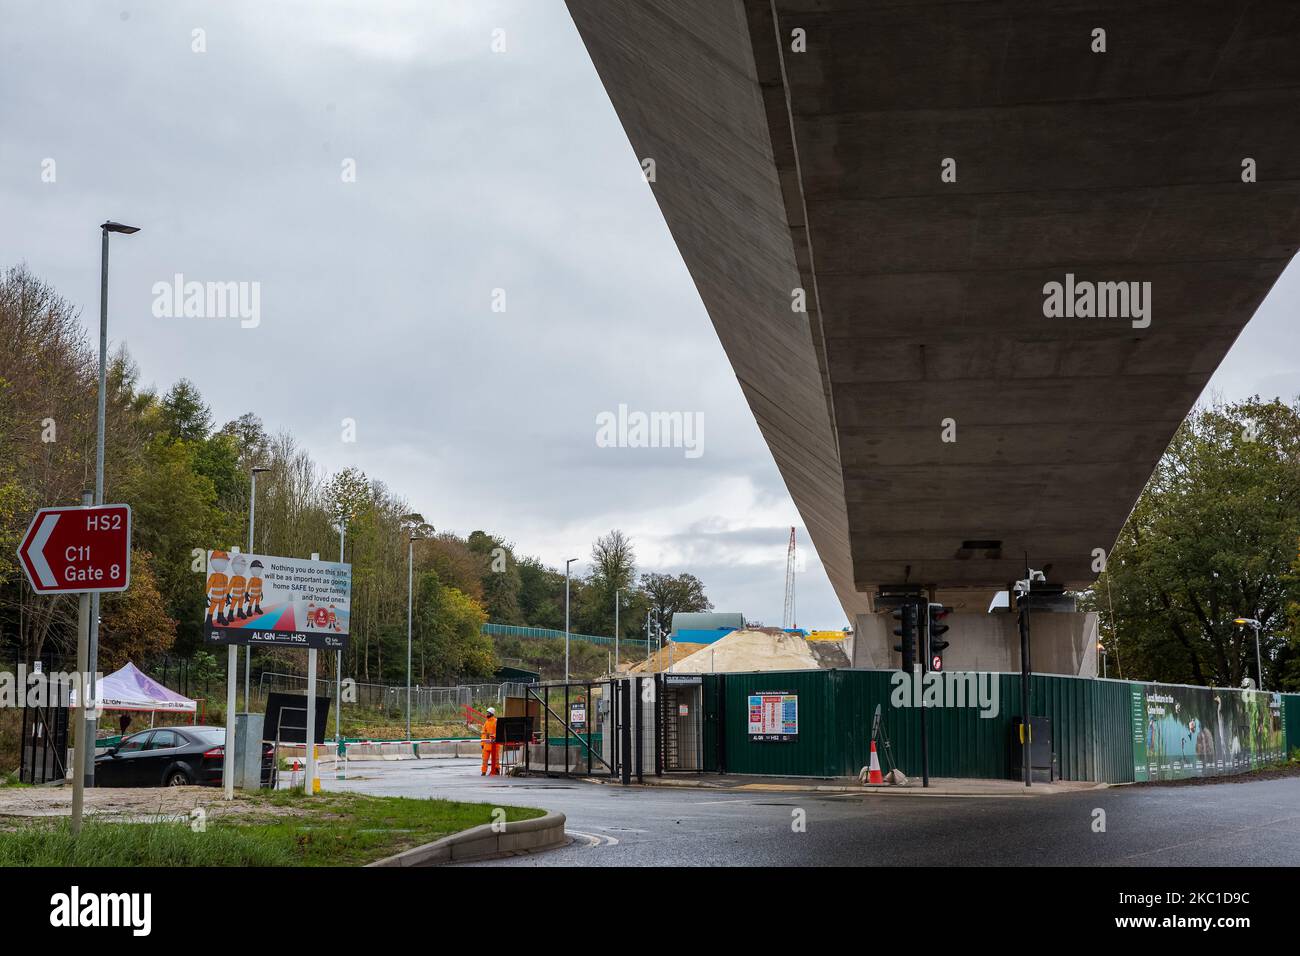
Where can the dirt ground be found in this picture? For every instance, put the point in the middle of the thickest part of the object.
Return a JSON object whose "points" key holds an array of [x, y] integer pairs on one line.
{"points": [[129, 803]]}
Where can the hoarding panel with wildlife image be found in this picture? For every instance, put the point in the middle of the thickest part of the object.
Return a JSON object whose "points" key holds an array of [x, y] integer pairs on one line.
{"points": [[1182, 731], [265, 600]]}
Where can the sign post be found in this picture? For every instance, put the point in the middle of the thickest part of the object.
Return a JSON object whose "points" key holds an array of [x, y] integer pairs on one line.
{"points": [[82, 742], [283, 602], [79, 550], [310, 782], [228, 754]]}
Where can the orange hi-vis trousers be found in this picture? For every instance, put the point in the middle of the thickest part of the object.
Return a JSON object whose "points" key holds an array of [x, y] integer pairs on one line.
{"points": [[491, 749], [492, 757]]}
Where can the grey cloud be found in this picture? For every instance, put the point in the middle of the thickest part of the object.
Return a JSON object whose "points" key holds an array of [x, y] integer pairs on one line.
{"points": [[475, 171]]}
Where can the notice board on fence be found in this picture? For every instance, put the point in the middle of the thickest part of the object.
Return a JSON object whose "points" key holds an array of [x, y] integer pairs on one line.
{"points": [[773, 716]]}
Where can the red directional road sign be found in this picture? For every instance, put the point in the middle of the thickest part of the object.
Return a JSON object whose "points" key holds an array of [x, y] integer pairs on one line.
{"points": [[78, 549]]}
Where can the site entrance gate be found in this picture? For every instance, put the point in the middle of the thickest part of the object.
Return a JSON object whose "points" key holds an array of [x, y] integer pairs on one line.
{"points": [[622, 728]]}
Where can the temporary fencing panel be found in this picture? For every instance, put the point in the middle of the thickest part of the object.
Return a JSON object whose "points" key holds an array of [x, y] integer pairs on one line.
{"points": [[818, 724], [1291, 723]]}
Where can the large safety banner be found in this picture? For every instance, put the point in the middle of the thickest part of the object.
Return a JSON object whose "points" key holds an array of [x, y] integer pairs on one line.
{"points": [[291, 602]]}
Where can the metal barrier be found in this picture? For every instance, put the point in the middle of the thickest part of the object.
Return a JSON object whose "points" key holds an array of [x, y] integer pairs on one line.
{"points": [[614, 727], [427, 703], [44, 744], [566, 728]]}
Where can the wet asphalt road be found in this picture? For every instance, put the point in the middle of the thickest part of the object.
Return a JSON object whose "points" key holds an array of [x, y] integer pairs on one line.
{"points": [[1227, 824]]}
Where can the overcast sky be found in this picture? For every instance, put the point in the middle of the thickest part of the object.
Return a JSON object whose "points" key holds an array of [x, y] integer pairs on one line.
{"points": [[475, 171]]}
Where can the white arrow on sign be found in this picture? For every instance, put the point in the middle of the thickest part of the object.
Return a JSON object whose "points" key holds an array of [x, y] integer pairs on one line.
{"points": [[36, 553]]}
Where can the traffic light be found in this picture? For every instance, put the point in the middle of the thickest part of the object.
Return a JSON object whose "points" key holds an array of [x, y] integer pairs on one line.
{"points": [[906, 616], [935, 634]]}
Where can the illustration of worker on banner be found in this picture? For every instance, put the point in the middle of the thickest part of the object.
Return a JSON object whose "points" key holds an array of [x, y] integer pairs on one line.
{"points": [[292, 602]]}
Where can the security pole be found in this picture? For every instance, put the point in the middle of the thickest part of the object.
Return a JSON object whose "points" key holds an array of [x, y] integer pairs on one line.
{"points": [[617, 592], [1025, 726], [85, 740]]}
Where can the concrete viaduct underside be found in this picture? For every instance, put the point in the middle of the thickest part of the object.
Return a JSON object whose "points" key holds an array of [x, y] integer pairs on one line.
{"points": [[923, 171]]}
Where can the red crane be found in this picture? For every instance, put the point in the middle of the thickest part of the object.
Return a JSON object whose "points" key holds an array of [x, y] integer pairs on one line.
{"points": [[788, 620]]}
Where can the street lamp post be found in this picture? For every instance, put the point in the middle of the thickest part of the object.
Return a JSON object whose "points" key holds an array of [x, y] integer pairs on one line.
{"points": [[617, 592], [1102, 647], [92, 659], [1259, 660], [417, 520], [410, 591], [566, 618], [252, 516]]}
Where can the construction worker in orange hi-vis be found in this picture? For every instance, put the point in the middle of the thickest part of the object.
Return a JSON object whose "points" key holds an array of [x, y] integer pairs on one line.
{"points": [[238, 565], [488, 740], [253, 594], [218, 587]]}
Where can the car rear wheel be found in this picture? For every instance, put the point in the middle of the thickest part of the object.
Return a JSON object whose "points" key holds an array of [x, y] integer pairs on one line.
{"points": [[178, 777]]}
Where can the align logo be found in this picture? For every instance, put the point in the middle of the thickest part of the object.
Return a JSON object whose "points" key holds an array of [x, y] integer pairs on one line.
{"points": [[74, 909]]}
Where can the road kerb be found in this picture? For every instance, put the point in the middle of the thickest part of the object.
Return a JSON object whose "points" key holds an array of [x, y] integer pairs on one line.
{"points": [[485, 842], [911, 790]]}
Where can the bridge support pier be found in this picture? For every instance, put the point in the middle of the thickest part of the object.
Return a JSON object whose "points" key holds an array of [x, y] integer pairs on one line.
{"points": [[1062, 642]]}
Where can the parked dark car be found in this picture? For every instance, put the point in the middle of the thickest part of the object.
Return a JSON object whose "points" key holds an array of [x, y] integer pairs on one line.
{"points": [[171, 757]]}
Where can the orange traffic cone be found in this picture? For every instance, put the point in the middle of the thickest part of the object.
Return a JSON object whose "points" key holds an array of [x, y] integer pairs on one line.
{"points": [[873, 772]]}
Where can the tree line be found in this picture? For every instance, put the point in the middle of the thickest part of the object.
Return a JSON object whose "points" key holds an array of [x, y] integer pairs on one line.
{"points": [[1214, 537], [187, 480]]}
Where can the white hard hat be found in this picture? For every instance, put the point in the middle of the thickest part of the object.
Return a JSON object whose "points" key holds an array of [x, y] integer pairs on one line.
{"points": [[492, 711]]}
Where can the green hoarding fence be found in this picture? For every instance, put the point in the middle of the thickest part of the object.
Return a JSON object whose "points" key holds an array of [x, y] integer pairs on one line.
{"points": [[549, 633], [1104, 730]]}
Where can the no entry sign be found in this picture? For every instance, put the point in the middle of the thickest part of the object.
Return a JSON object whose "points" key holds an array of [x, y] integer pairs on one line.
{"points": [[77, 549]]}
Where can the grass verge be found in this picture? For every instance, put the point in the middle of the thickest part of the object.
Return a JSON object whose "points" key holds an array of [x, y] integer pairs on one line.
{"points": [[284, 828]]}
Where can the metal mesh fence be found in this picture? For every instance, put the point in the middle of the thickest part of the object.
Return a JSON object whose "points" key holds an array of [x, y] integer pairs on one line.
{"points": [[388, 701]]}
